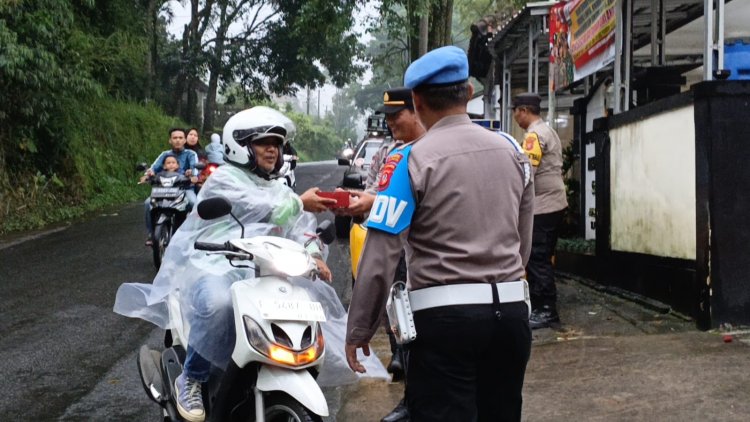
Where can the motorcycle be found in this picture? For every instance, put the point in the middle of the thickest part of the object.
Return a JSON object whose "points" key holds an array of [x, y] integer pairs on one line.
{"points": [[279, 339], [286, 173], [208, 168], [169, 208]]}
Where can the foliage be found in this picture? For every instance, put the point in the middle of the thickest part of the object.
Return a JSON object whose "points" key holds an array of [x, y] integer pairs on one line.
{"points": [[396, 30], [39, 66], [104, 140], [344, 116], [572, 192], [272, 48], [577, 245], [314, 142], [75, 75]]}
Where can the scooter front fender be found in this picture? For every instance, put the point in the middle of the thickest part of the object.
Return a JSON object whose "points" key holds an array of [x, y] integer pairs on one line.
{"points": [[300, 385]]}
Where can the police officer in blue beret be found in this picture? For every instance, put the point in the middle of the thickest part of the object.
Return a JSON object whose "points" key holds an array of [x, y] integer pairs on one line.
{"points": [[460, 200]]}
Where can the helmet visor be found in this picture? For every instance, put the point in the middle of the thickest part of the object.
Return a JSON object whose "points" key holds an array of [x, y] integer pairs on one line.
{"points": [[245, 136]]}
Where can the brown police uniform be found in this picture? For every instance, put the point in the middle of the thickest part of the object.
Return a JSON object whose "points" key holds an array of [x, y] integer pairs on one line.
{"points": [[548, 182], [544, 149], [472, 224]]}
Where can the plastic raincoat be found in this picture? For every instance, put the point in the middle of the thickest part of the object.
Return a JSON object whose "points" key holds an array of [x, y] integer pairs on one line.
{"points": [[265, 208]]}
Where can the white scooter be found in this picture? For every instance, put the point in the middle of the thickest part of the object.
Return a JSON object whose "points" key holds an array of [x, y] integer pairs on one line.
{"points": [[279, 346]]}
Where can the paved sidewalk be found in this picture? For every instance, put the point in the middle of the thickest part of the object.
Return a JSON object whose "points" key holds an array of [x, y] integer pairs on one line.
{"points": [[611, 360]]}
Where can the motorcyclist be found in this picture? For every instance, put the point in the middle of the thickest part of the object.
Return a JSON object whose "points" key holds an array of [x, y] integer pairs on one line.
{"points": [[252, 140], [186, 159], [214, 150]]}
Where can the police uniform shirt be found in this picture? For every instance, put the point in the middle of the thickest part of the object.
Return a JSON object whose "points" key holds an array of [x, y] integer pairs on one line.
{"points": [[548, 180], [472, 222]]}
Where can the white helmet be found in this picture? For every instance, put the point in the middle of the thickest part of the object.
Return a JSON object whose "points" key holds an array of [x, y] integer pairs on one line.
{"points": [[250, 125]]}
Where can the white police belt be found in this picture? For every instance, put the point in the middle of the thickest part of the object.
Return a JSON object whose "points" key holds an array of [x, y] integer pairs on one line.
{"points": [[468, 294]]}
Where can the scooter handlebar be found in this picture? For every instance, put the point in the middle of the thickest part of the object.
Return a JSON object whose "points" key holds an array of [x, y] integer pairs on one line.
{"points": [[207, 246]]}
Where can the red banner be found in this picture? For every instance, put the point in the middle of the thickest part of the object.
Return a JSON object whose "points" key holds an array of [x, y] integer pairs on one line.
{"points": [[582, 37]]}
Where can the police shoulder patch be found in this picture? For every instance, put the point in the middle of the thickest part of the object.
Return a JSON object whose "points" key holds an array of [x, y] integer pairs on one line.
{"points": [[532, 148]]}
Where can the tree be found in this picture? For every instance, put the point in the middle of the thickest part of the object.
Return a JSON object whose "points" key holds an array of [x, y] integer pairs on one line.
{"points": [[344, 116], [269, 47], [40, 65], [406, 29]]}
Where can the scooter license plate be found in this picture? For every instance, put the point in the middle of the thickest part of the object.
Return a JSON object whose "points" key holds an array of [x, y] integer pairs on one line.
{"points": [[291, 310], [160, 192]]}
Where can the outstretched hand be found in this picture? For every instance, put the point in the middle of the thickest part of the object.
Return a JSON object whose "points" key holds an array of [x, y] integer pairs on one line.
{"points": [[313, 203]]}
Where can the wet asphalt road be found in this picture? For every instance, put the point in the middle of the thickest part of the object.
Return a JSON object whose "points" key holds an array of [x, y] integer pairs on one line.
{"points": [[64, 355]]}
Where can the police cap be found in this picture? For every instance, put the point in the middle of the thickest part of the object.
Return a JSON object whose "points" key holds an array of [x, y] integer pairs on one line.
{"points": [[395, 100], [526, 99], [442, 66]]}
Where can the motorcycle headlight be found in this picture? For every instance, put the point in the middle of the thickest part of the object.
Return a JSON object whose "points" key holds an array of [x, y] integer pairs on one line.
{"points": [[279, 353]]}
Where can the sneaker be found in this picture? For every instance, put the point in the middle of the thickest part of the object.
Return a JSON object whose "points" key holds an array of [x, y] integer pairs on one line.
{"points": [[543, 317], [189, 399]]}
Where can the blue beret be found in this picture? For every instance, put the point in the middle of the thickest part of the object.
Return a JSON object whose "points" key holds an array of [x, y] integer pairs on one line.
{"points": [[442, 66]]}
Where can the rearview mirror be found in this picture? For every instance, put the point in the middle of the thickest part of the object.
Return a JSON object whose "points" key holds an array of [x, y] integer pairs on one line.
{"points": [[212, 208]]}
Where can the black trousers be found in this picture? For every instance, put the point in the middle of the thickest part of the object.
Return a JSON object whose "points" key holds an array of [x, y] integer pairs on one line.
{"points": [[467, 364], [539, 271]]}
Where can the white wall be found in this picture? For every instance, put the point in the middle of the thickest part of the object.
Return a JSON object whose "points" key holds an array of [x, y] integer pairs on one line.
{"points": [[652, 179]]}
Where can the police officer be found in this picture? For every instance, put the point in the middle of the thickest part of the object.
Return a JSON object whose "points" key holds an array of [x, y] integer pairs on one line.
{"points": [[405, 127], [543, 147], [462, 204]]}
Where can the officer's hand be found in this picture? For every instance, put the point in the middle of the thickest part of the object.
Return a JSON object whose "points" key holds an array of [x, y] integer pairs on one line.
{"points": [[351, 357], [188, 173], [313, 203], [360, 202], [325, 272]]}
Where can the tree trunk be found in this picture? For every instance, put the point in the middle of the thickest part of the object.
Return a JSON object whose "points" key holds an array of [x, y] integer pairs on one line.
{"points": [[191, 108], [181, 80], [413, 23], [153, 56], [424, 24], [215, 68], [441, 18]]}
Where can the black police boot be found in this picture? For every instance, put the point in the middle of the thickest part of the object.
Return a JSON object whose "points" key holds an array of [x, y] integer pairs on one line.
{"points": [[543, 317], [400, 413]]}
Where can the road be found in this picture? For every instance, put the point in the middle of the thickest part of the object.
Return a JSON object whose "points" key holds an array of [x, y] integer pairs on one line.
{"points": [[65, 355]]}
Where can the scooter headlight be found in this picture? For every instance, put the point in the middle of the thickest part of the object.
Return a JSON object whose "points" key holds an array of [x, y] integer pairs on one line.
{"points": [[279, 353]]}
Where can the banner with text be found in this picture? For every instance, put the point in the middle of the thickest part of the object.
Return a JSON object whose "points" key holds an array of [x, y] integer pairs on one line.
{"points": [[582, 39]]}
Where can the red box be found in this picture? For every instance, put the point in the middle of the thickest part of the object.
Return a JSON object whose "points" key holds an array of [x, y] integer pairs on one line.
{"points": [[342, 198]]}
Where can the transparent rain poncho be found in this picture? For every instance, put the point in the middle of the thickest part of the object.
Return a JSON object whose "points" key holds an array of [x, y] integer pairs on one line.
{"points": [[265, 208]]}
